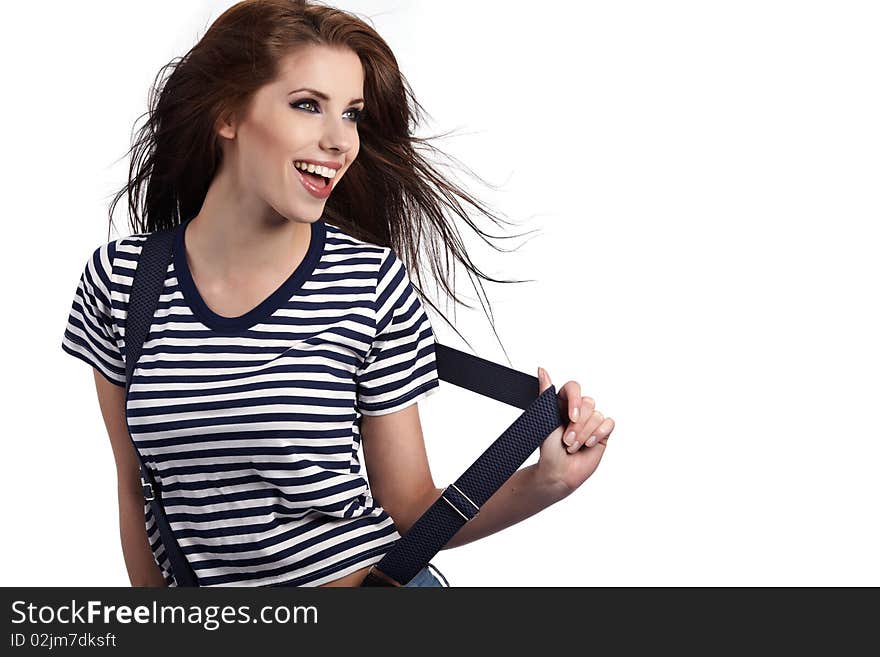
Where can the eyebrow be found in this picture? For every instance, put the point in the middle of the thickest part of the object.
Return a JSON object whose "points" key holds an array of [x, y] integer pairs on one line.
{"points": [[324, 96]]}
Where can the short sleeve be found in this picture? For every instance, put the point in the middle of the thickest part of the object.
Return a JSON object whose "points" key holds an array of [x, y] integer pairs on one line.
{"points": [[400, 368], [91, 334]]}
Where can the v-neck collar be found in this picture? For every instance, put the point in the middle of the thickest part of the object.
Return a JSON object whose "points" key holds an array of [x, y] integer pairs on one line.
{"points": [[266, 307]]}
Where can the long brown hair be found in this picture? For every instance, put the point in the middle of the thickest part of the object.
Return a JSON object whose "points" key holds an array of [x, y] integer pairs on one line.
{"points": [[391, 194]]}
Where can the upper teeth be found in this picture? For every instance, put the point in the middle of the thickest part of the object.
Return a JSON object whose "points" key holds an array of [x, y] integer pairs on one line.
{"points": [[311, 168]]}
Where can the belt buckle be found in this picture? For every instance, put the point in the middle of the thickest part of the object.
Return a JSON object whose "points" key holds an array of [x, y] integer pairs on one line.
{"points": [[457, 510], [376, 577], [149, 497]]}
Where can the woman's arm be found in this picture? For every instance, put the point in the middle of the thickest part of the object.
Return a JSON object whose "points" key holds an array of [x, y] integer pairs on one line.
{"points": [[401, 481], [521, 496], [142, 568]]}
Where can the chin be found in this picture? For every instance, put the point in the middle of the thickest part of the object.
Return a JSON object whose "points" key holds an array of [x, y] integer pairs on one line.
{"points": [[311, 217]]}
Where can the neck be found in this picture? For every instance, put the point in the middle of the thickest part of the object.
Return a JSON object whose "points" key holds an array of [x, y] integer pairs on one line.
{"points": [[236, 234]]}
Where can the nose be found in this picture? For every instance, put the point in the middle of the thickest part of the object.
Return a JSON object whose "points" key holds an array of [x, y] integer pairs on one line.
{"points": [[338, 135]]}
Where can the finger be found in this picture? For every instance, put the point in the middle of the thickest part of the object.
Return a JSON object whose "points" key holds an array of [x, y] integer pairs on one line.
{"points": [[586, 434], [569, 397], [603, 428], [571, 394], [575, 433], [599, 435], [543, 380], [602, 432]]}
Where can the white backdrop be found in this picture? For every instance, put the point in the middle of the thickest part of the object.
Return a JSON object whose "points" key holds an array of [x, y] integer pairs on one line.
{"points": [[704, 177]]}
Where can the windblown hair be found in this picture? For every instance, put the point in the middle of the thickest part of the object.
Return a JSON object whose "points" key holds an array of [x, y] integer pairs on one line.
{"points": [[391, 195]]}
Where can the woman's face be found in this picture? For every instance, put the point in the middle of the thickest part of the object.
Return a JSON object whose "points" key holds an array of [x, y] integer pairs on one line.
{"points": [[309, 113]]}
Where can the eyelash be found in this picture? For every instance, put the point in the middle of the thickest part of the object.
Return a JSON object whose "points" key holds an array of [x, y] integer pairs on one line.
{"points": [[357, 112]]}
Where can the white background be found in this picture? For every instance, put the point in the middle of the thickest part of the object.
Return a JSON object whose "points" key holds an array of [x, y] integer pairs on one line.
{"points": [[704, 177]]}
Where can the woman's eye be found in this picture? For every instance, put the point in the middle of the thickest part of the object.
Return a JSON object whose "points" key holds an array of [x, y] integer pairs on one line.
{"points": [[356, 112], [303, 102]]}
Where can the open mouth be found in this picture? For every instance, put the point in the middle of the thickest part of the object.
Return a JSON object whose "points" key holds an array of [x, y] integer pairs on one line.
{"points": [[315, 183], [317, 179]]}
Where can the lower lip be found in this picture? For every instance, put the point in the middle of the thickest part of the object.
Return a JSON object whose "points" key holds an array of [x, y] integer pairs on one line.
{"points": [[314, 190]]}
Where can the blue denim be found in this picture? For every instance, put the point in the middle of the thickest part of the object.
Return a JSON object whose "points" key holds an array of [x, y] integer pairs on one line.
{"points": [[426, 578]]}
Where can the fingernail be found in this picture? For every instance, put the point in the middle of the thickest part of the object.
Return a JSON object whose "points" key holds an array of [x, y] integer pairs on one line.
{"points": [[574, 447], [592, 441], [574, 414], [569, 439]]}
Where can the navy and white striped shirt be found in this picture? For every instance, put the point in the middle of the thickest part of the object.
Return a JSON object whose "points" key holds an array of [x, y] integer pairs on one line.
{"points": [[251, 424]]}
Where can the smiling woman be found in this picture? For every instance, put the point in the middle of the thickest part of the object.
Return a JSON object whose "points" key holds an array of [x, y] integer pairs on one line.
{"points": [[325, 89], [280, 153]]}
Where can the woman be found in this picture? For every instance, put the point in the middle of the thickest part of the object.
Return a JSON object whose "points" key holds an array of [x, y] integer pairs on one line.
{"points": [[288, 332]]}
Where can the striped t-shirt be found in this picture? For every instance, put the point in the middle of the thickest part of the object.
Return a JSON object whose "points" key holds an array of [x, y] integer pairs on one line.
{"points": [[250, 424]]}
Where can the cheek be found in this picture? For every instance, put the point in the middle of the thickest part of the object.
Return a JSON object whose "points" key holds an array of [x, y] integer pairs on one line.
{"points": [[270, 141], [351, 156], [261, 134], [270, 154]]}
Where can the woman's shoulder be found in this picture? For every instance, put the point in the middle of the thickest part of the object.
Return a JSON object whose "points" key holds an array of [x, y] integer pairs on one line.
{"points": [[340, 237], [114, 262], [128, 249]]}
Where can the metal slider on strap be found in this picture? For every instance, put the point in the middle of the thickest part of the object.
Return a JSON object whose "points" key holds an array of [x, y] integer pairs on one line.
{"points": [[470, 513], [376, 577], [148, 490]]}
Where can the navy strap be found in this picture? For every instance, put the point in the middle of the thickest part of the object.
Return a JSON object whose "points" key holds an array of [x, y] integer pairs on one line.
{"points": [[460, 501], [485, 377], [148, 281]]}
